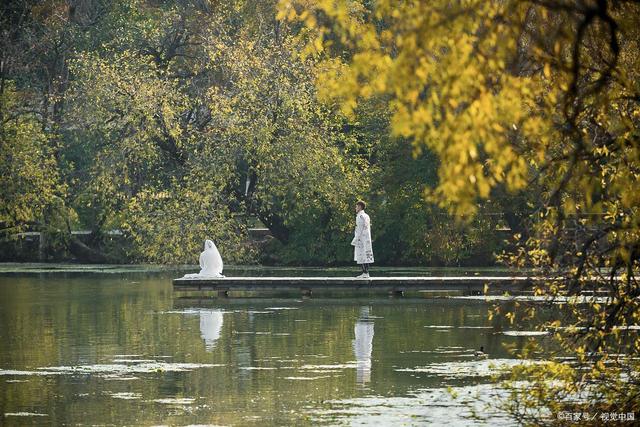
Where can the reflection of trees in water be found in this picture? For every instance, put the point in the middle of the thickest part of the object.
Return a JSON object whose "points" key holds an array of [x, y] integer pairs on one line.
{"points": [[363, 345], [67, 321], [210, 327]]}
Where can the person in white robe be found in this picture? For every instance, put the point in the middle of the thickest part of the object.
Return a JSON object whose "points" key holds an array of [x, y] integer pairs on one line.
{"points": [[362, 346], [363, 249], [210, 262]]}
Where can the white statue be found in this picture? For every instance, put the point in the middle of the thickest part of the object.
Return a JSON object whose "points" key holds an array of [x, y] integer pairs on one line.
{"points": [[210, 262]]}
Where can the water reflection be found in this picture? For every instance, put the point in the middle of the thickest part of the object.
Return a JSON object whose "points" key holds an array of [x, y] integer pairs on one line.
{"points": [[210, 327], [363, 345], [76, 348]]}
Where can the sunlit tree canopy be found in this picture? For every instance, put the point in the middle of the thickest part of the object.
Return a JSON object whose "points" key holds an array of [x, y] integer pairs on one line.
{"points": [[532, 98]]}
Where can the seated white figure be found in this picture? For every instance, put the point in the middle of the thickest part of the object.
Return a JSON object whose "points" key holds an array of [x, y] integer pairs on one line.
{"points": [[210, 262]]}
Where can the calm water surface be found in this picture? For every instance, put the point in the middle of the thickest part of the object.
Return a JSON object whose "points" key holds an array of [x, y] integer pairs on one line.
{"points": [[123, 349]]}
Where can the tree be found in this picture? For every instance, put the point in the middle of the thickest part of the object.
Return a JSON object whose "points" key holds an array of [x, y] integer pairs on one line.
{"points": [[299, 176], [30, 185], [410, 230], [149, 103], [33, 191], [512, 97], [220, 112]]}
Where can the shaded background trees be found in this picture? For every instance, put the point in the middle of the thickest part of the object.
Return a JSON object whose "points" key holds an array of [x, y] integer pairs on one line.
{"points": [[171, 121]]}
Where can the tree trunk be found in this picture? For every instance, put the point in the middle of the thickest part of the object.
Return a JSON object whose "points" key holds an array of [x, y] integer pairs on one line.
{"points": [[42, 246]]}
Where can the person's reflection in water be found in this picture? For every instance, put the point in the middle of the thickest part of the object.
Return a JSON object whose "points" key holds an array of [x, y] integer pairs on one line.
{"points": [[210, 327], [362, 346]]}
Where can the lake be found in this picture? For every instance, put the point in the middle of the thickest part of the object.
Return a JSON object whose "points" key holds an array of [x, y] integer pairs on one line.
{"points": [[116, 346]]}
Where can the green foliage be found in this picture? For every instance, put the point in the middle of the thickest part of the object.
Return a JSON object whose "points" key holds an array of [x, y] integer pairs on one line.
{"points": [[128, 111], [410, 230], [236, 125], [181, 104], [29, 183], [168, 226], [301, 180]]}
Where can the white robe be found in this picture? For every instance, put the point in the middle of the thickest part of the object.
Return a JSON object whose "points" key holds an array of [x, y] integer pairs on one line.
{"points": [[363, 250], [210, 262]]}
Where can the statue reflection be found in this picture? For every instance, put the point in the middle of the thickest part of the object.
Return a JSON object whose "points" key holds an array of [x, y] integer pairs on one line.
{"points": [[363, 345], [210, 327]]}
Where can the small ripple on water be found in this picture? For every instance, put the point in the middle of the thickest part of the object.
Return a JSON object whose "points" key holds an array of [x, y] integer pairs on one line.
{"points": [[275, 334], [175, 401], [447, 352], [206, 425], [133, 368], [112, 370], [525, 333], [307, 378], [349, 365], [468, 369], [24, 414], [10, 372], [126, 395], [456, 327], [189, 311], [257, 368], [116, 377], [254, 311], [475, 327], [444, 353]]}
